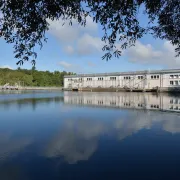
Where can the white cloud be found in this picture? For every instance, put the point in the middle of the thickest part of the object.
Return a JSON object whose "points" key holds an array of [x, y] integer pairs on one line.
{"points": [[69, 49], [69, 34], [77, 39], [64, 33], [70, 67], [6, 66], [87, 45], [85, 41], [146, 54], [64, 64]]}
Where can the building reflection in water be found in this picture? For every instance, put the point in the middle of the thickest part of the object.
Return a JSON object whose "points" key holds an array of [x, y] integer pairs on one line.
{"points": [[162, 102]]}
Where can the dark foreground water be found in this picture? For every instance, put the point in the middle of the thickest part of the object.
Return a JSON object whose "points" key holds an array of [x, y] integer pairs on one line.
{"points": [[84, 136]]}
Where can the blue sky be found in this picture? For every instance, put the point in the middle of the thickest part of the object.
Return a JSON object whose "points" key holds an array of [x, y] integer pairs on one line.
{"points": [[78, 49]]}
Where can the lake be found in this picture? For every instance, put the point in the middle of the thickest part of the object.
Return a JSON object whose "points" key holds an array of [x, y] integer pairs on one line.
{"points": [[87, 135]]}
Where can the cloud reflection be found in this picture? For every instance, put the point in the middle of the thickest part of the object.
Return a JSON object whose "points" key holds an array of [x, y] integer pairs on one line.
{"points": [[78, 139]]}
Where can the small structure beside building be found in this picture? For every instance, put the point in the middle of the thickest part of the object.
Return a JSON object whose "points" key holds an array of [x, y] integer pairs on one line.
{"points": [[162, 80]]}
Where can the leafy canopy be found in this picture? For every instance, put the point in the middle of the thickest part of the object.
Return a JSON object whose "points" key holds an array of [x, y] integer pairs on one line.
{"points": [[25, 22], [32, 77]]}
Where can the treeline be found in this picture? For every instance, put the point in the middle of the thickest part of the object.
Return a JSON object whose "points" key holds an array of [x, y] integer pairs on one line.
{"points": [[32, 77]]}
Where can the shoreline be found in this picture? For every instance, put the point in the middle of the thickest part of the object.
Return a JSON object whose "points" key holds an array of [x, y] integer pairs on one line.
{"points": [[31, 88]]}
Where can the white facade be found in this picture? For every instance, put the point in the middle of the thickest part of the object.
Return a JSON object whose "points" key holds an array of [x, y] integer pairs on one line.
{"points": [[138, 80]]}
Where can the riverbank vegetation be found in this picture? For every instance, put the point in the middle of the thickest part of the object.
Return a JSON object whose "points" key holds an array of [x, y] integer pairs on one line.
{"points": [[32, 77]]}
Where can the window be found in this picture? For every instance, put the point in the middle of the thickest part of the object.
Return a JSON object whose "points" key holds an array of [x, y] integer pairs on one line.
{"points": [[129, 77], [176, 101], [171, 101], [176, 108], [157, 76], [175, 76], [152, 77], [171, 107], [112, 78], [176, 83], [141, 77], [171, 82], [171, 76], [89, 79], [100, 79]]}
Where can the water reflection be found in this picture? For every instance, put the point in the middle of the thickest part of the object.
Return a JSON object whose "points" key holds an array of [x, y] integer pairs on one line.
{"points": [[33, 102], [77, 140], [148, 101], [89, 136]]}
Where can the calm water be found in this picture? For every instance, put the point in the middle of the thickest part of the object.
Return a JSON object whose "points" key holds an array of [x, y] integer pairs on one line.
{"points": [[84, 136]]}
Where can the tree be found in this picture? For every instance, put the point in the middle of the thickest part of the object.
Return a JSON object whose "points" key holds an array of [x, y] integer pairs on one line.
{"points": [[24, 22], [29, 78]]}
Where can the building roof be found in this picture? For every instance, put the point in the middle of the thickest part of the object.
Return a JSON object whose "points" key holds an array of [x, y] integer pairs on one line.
{"points": [[164, 71]]}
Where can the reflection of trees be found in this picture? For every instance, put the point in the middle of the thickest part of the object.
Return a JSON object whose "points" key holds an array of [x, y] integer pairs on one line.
{"points": [[20, 103], [78, 139]]}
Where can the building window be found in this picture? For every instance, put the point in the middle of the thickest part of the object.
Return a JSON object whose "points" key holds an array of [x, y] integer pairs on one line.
{"points": [[127, 77], [152, 77], [157, 76], [171, 107], [100, 79], [140, 77], [171, 82], [112, 78], [176, 83], [175, 76], [176, 108], [89, 79], [171, 76], [176, 101]]}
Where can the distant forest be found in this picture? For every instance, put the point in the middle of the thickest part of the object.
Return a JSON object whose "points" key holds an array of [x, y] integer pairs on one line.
{"points": [[32, 77]]}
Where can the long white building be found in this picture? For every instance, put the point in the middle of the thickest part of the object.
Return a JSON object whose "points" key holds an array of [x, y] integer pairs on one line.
{"points": [[142, 80]]}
